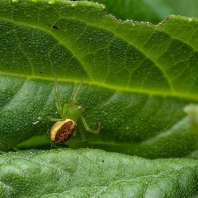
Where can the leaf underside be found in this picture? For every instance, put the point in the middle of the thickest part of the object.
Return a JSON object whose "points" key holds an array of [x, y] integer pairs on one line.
{"points": [[138, 77]]}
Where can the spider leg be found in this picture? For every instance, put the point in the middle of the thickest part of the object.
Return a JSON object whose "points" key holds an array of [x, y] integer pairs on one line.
{"points": [[89, 129], [77, 91], [57, 100], [54, 119]]}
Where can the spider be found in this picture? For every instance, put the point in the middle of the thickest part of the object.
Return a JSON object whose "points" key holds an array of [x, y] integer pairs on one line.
{"points": [[70, 114]]}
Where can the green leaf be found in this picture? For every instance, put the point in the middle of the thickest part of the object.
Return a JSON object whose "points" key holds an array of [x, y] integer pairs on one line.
{"points": [[153, 11], [138, 77], [94, 173]]}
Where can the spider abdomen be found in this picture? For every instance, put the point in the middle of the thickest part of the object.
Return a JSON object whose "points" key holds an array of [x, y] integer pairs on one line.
{"points": [[62, 130]]}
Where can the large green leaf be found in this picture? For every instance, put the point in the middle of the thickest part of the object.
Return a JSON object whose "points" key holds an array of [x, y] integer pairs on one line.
{"points": [[95, 173], [138, 77]]}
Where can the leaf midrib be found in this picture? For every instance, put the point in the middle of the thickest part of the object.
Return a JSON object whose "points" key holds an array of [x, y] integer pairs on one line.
{"points": [[147, 92]]}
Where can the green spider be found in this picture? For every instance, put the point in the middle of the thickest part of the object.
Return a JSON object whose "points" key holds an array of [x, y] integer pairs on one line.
{"points": [[70, 114]]}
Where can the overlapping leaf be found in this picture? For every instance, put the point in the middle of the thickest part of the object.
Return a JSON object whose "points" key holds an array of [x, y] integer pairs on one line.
{"points": [[95, 174]]}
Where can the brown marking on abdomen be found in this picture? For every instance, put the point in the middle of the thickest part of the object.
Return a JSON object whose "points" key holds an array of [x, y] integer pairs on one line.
{"points": [[65, 132]]}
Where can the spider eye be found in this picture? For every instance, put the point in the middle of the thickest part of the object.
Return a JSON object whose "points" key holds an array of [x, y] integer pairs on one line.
{"points": [[81, 109]]}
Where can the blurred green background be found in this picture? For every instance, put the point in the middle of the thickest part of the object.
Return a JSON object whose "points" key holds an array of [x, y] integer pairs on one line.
{"points": [[153, 11]]}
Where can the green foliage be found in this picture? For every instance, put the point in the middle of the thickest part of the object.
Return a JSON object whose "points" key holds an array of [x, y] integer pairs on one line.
{"points": [[95, 173], [138, 79]]}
